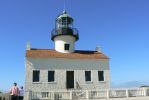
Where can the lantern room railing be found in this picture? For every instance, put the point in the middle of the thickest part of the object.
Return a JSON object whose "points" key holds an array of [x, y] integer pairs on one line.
{"points": [[64, 31]]}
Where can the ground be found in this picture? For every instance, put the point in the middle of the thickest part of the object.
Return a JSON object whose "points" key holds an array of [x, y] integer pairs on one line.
{"points": [[132, 98]]}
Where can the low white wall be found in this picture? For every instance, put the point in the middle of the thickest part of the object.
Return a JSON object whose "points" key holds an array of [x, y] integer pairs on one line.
{"points": [[108, 94]]}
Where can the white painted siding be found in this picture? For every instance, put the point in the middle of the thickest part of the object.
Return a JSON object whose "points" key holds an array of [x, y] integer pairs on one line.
{"points": [[64, 39]]}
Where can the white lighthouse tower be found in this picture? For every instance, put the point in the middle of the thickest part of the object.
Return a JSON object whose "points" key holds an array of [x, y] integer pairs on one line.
{"points": [[64, 35], [64, 68]]}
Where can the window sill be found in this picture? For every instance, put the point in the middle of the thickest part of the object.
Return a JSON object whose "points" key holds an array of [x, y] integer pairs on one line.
{"points": [[88, 82], [52, 82], [37, 82], [102, 81]]}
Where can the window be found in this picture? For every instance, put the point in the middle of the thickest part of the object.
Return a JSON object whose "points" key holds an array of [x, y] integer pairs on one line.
{"points": [[87, 75], [50, 76], [36, 75], [100, 75], [67, 46]]}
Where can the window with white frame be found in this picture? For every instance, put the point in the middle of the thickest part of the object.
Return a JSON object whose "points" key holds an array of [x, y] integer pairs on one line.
{"points": [[100, 75], [36, 75], [87, 76], [51, 76]]}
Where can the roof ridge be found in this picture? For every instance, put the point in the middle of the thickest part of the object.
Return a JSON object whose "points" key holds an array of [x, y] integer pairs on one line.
{"points": [[55, 50], [40, 49]]}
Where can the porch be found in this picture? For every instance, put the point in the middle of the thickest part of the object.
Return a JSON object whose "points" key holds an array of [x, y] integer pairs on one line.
{"points": [[126, 94]]}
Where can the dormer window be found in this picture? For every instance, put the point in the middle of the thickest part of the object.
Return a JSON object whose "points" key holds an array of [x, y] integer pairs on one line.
{"points": [[66, 46]]}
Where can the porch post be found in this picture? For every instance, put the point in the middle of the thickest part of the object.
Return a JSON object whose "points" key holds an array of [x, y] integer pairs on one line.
{"points": [[144, 90], [127, 95], [87, 95], [70, 95], [107, 93]]}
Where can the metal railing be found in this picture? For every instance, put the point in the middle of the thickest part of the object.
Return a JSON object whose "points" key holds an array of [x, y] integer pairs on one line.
{"points": [[89, 94], [65, 31]]}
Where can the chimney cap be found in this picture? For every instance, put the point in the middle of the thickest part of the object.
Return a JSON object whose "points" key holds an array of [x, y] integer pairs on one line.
{"points": [[98, 49], [28, 46]]}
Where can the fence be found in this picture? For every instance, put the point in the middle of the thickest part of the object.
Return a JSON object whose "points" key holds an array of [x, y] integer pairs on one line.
{"points": [[89, 94], [5, 96]]}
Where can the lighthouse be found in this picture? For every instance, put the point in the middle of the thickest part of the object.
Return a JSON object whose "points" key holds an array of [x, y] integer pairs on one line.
{"points": [[64, 68], [64, 35]]}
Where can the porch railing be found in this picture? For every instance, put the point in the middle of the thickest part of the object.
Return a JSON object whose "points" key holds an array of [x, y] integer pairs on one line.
{"points": [[89, 94]]}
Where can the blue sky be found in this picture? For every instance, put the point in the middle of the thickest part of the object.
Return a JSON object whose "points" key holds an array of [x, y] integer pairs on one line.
{"points": [[119, 27]]}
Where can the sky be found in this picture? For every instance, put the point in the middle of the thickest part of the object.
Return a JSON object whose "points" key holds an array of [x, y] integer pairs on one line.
{"points": [[119, 27]]}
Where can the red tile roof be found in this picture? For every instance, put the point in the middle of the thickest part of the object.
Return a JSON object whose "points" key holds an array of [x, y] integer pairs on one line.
{"points": [[78, 54]]}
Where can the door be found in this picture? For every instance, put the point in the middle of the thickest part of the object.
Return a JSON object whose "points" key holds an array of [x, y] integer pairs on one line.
{"points": [[69, 79]]}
